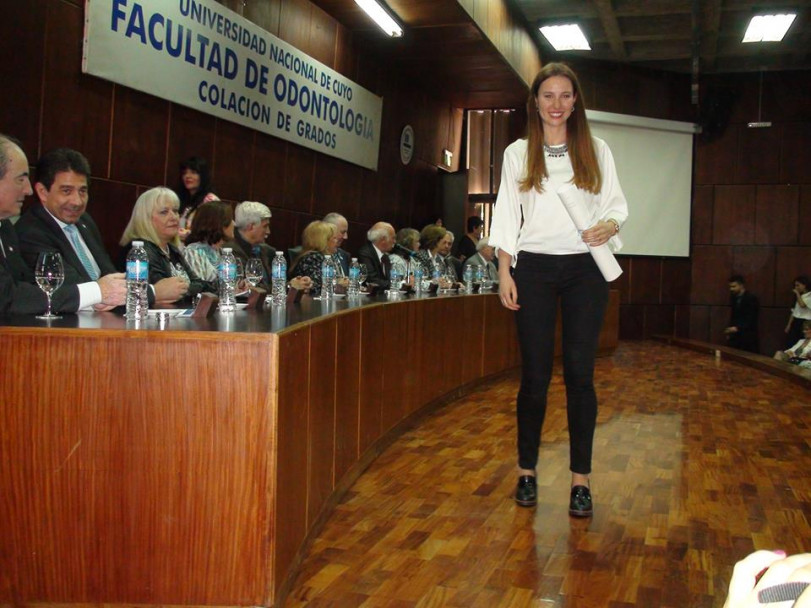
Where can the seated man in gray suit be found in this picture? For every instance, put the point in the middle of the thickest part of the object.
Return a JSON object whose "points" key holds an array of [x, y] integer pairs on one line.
{"points": [[484, 257], [60, 223], [18, 292]]}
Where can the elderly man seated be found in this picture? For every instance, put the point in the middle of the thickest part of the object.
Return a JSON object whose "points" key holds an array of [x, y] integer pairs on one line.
{"points": [[485, 253], [375, 254]]}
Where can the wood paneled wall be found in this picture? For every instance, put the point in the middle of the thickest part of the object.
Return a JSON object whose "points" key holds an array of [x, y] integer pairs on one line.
{"points": [[135, 141], [752, 204], [507, 33]]}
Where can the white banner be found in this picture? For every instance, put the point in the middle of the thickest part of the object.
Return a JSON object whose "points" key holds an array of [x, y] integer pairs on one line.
{"points": [[200, 54]]}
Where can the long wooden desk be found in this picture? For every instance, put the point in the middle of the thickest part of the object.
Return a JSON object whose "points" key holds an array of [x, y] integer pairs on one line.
{"points": [[187, 465]]}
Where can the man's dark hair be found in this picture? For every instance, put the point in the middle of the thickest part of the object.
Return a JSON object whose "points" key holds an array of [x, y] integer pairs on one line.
{"points": [[473, 222], [736, 278], [5, 142], [799, 279], [61, 160]]}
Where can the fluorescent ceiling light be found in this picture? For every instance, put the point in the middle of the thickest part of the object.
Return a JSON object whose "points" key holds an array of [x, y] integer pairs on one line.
{"points": [[565, 37], [768, 28], [381, 17]]}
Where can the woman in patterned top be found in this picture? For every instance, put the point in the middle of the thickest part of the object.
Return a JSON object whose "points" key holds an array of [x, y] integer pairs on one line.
{"points": [[318, 239], [213, 225]]}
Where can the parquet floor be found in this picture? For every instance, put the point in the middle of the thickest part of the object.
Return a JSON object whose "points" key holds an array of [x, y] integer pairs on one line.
{"points": [[697, 463]]}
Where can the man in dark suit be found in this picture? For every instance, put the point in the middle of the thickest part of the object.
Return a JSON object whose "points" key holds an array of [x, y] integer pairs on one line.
{"points": [[18, 291], [375, 254], [252, 221], [339, 221], [742, 332]]}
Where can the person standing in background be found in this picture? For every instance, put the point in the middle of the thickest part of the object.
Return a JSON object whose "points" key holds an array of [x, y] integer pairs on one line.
{"points": [[193, 189], [742, 331]]}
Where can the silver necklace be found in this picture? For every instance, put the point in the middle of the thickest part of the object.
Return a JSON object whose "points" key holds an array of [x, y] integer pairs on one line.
{"points": [[556, 151]]}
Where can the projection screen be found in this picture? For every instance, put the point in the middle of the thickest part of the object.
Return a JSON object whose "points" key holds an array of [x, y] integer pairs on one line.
{"points": [[654, 161]]}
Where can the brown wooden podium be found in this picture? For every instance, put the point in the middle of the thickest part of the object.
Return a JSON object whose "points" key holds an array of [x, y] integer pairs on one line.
{"points": [[188, 465]]}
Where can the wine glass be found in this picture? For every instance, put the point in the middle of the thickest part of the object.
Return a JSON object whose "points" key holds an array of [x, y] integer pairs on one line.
{"points": [[49, 273], [254, 271], [364, 273]]}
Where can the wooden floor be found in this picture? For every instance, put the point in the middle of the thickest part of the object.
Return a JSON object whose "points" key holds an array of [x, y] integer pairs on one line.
{"points": [[697, 463]]}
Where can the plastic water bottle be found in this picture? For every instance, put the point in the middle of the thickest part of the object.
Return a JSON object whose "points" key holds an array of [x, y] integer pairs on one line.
{"points": [[278, 280], [481, 276], [353, 290], [418, 274], [468, 278], [228, 280], [137, 282], [327, 278], [395, 277]]}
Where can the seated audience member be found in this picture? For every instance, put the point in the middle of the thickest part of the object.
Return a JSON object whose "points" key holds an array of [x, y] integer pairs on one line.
{"points": [[252, 221], [801, 311], [408, 239], [467, 244], [213, 225], [375, 254], [770, 578], [452, 262], [155, 221], [434, 240], [343, 233], [484, 257], [19, 293], [318, 239], [742, 331], [193, 189], [800, 353], [61, 224]]}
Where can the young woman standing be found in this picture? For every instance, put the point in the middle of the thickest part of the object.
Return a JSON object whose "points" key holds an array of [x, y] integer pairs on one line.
{"points": [[544, 260]]}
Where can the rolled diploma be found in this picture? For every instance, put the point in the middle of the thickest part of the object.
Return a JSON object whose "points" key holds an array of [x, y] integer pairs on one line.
{"points": [[576, 207]]}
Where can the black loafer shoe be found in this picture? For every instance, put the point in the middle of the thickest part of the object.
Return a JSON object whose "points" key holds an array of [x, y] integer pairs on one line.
{"points": [[580, 504], [526, 492]]}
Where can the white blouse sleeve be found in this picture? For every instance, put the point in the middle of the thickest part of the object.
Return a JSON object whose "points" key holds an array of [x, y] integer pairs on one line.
{"points": [[612, 199], [506, 222]]}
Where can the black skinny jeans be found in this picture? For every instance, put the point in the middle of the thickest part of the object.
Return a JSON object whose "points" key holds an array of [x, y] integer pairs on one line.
{"points": [[583, 292]]}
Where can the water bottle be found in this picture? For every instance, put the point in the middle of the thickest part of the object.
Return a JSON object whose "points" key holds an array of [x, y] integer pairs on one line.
{"points": [[228, 280], [468, 278], [353, 290], [327, 278], [418, 274], [395, 277], [278, 279], [137, 281], [481, 277]]}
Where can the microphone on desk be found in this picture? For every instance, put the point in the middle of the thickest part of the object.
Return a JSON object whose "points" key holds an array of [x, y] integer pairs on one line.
{"points": [[403, 251]]}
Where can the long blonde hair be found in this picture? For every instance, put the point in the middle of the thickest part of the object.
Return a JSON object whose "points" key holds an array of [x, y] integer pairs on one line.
{"points": [[140, 226], [587, 173], [315, 237]]}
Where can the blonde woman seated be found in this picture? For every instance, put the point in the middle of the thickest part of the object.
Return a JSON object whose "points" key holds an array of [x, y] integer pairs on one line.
{"points": [[318, 239], [155, 221], [800, 353], [213, 225]]}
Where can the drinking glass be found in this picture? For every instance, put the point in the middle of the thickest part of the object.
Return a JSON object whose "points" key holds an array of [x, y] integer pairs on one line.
{"points": [[254, 271], [49, 273], [364, 273]]}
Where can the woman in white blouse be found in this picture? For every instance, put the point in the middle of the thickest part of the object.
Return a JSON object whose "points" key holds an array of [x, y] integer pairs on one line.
{"points": [[544, 260]]}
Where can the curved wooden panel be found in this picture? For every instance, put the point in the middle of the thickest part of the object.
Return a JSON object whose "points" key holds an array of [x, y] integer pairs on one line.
{"points": [[190, 466]]}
